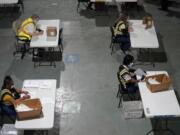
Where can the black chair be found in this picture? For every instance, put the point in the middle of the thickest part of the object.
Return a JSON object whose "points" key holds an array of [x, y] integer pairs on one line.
{"points": [[21, 43], [122, 92], [114, 41], [60, 44], [84, 2]]}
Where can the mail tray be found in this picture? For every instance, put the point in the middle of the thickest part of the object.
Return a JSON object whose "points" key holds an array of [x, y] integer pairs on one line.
{"points": [[164, 83], [36, 111], [51, 31]]}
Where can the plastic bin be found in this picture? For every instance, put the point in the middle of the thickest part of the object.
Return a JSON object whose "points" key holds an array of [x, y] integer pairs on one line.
{"points": [[132, 109], [8, 129]]}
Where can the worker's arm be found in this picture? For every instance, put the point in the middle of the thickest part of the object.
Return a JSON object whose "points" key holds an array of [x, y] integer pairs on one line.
{"points": [[130, 79], [31, 30], [20, 91]]}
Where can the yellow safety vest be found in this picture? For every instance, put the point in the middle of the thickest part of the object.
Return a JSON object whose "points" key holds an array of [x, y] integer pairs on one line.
{"points": [[23, 31], [3, 93], [118, 28], [122, 71]]}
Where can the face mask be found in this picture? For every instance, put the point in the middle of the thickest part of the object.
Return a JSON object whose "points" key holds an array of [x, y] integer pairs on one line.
{"points": [[12, 86], [131, 64]]}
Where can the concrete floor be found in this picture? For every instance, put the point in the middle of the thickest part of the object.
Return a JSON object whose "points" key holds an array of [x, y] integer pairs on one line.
{"points": [[87, 74]]}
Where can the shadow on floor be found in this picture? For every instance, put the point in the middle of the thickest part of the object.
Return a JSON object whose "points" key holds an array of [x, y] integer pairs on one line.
{"points": [[103, 17], [156, 55], [8, 15], [24, 69], [160, 123], [172, 13], [174, 4]]}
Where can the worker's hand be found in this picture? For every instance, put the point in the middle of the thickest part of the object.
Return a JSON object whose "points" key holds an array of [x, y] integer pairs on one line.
{"points": [[26, 97], [41, 32], [25, 92], [130, 29], [17, 102], [138, 81]]}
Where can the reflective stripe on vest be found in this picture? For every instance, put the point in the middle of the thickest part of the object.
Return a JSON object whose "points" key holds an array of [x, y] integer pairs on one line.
{"points": [[123, 71], [3, 93], [23, 29], [117, 29]]}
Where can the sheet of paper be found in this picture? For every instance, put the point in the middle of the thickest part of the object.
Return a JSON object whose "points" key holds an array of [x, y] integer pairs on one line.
{"points": [[140, 72], [45, 85], [31, 84], [153, 81]]}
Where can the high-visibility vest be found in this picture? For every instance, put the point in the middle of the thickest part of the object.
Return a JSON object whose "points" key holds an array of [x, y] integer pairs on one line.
{"points": [[23, 31], [122, 71], [3, 93], [118, 28]]}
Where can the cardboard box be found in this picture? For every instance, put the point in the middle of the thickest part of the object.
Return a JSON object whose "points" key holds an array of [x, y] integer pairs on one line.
{"points": [[36, 111], [132, 109], [148, 21], [51, 31], [164, 83]]}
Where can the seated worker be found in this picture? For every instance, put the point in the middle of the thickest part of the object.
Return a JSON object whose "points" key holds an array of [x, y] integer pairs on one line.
{"points": [[121, 32], [10, 96], [28, 28], [126, 75]]}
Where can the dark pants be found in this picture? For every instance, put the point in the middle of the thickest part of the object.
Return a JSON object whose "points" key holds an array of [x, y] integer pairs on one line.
{"points": [[132, 88], [9, 110], [124, 40]]}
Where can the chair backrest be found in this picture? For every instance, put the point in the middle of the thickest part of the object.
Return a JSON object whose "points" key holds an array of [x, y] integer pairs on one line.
{"points": [[16, 25], [122, 89], [112, 31], [60, 32]]}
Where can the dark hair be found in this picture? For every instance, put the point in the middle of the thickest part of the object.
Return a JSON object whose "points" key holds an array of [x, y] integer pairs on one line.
{"points": [[128, 59], [7, 81], [124, 17], [34, 16]]}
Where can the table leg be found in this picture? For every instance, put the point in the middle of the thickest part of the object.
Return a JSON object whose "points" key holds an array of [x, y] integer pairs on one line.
{"points": [[155, 129], [52, 61], [45, 132]]}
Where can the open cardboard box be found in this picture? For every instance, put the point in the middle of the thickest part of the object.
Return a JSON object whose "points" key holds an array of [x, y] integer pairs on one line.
{"points": [[51, 31], [35, 104], [164, 82]]}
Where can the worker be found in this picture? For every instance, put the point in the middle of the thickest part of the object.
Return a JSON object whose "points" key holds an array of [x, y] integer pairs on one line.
{"points": [[121, 32], [11, 96], [126, 76], [28, 28]]}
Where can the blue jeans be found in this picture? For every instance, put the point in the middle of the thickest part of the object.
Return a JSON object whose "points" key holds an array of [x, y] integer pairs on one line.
{"points": [[9, 110]]}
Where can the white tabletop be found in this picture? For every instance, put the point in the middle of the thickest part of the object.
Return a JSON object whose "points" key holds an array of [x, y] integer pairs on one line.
{"points": [[141, 37], [158, 104], [8, 1], [43, 40], [45, 90]]}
